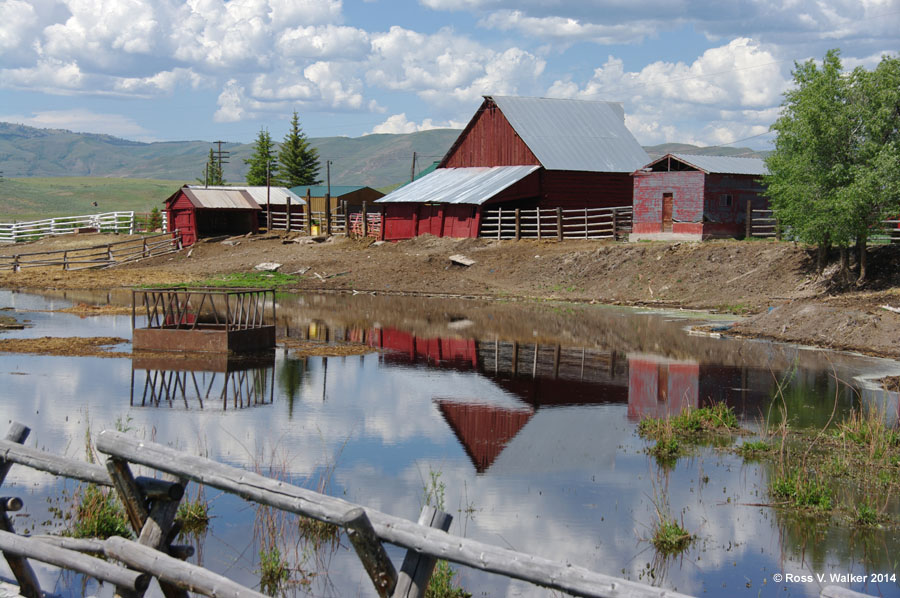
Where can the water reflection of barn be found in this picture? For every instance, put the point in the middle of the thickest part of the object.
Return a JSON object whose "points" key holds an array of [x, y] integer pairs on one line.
{"points": [[542, 377]]}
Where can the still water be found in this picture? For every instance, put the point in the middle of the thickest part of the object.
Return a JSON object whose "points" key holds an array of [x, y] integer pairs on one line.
{"points": [[525, 415]]}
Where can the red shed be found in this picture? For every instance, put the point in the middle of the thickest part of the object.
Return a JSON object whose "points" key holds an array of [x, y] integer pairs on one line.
{"points": [[199, 212], [682, 196], [520, 153]]}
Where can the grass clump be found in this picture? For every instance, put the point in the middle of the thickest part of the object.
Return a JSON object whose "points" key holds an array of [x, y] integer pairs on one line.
{"points": [[669, 537], [691, 422], [802, 491], [753, 449], [870, 432], [193, 515], [866, 514], [443, 583], [98, 514], [274, 571]]}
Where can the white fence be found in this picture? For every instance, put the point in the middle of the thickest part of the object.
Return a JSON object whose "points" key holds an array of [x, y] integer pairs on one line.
{"points": [[109, 222], [556, 223]]}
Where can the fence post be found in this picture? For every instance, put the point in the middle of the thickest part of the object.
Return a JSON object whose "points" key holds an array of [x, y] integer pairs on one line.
{"points": [[287, 213], [20, 567], [144, 251], [109, 255], [16, 263], [615, 224], [365, 220], [417, 568], [749, 224], [130, 223], [539, 223], [777, 230], [499, 222], [518, 225], [66, 258], [585, 223], [559, 226]]}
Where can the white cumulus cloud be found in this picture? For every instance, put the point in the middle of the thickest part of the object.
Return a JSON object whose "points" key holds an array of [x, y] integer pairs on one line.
{"points": [[398, 123], [80, 120]]}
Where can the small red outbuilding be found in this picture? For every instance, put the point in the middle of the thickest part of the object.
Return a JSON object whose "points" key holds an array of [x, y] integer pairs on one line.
{"points": [[683, 196], [199, 212]]}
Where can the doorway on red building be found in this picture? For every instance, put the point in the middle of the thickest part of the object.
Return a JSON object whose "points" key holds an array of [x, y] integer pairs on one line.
{"points": [[667, 213]]}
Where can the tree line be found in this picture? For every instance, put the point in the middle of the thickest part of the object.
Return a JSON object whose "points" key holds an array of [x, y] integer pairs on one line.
{"points": [[835, 172], [292, 164]]}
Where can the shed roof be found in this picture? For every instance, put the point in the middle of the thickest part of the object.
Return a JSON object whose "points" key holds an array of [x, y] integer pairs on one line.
{"points": [[277, 195], [574, 134], [221, 198], [474, 185], [321, 190], [722, 164]]}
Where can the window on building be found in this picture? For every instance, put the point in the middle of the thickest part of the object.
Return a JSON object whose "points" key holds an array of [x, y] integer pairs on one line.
{"points": [[725, 200]]}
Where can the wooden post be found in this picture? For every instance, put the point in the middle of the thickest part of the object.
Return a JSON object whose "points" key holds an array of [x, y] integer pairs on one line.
{"points": [[327, 213], [499, 222], [538, 212], [748, 225], [370, 551], [365, 221], [16, 263], [287, 213], [66, 258], [559, 224], [777, 230], [417, 568], [585, 223], [615, 224], [20, 567], [518, 224], [308, 212]]}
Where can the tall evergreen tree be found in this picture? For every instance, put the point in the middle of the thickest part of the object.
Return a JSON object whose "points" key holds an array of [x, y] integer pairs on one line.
{"points": [[298, 161], [263, 153], [212, 172]]}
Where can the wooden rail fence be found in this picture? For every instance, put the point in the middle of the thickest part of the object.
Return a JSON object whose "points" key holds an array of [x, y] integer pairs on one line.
{"points": [[151, 505], [96, 256], [113, 222], [556, 223], [762, 223]]}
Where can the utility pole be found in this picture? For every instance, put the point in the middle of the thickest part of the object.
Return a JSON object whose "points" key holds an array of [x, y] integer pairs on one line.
{"points": [[412, 171], [221, 157]]}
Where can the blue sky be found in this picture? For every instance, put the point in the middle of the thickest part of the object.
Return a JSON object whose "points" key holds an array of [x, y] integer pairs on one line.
{"points": [[702, 72]]}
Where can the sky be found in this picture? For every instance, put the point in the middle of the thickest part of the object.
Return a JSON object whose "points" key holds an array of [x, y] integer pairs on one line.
{"points": [[702, 72]]}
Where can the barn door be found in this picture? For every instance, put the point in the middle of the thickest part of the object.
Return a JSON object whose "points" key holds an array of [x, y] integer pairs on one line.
{"points": [[667, 212], [184, 223]]}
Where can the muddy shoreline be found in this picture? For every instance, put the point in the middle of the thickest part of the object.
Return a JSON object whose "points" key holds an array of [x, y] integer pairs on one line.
{"points": [[774, 285]]}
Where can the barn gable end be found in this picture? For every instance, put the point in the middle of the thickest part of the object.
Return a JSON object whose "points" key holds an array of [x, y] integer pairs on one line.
{"points": [[489, 140]]}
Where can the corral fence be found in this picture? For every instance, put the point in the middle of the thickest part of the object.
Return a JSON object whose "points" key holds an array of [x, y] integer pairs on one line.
{"points": [[556, 223], [762, 223], [108, 222], [297, 219], [96, 256], [151, 505]]}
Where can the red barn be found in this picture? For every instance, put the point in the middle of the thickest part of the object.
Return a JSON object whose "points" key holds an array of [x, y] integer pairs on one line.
{"points": [[200, 212], [520, 153], [682, 196]]}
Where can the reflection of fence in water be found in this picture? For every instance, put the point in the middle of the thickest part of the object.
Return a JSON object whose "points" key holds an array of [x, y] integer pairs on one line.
{"points": [[235, 386]]}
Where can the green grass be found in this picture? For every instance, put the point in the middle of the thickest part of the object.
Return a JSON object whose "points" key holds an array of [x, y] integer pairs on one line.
{"points": [[691, 422], [98, 514], [49, 197], [802, 491], [443, 583], [866, 514], [193, 515], [274, 571], [669, 537], [238, 280], [753, 449]]}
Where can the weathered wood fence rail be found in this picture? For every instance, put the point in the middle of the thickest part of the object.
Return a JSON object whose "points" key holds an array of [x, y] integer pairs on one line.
{"points": [[762, 223], [96, 256], [113, 222], [151, 505], [556, 223]]}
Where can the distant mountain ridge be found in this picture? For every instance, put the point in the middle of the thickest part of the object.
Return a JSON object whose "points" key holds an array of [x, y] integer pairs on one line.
{"points": [[375, 160]]}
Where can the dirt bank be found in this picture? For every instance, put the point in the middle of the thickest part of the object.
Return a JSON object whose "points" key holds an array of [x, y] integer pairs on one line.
{"points": [[774, 283]]}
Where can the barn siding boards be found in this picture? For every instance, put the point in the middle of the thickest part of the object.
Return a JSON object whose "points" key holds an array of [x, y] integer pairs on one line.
{"points": [[489, 140]]}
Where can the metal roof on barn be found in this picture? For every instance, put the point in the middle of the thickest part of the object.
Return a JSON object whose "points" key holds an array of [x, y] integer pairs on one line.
{"points": [[221, 198], [474, 185], [277, 195], [574, 134], [723, 164]]}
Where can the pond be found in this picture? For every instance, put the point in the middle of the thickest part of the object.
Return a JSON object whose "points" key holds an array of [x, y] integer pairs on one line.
{"points": [[520, 417]]}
